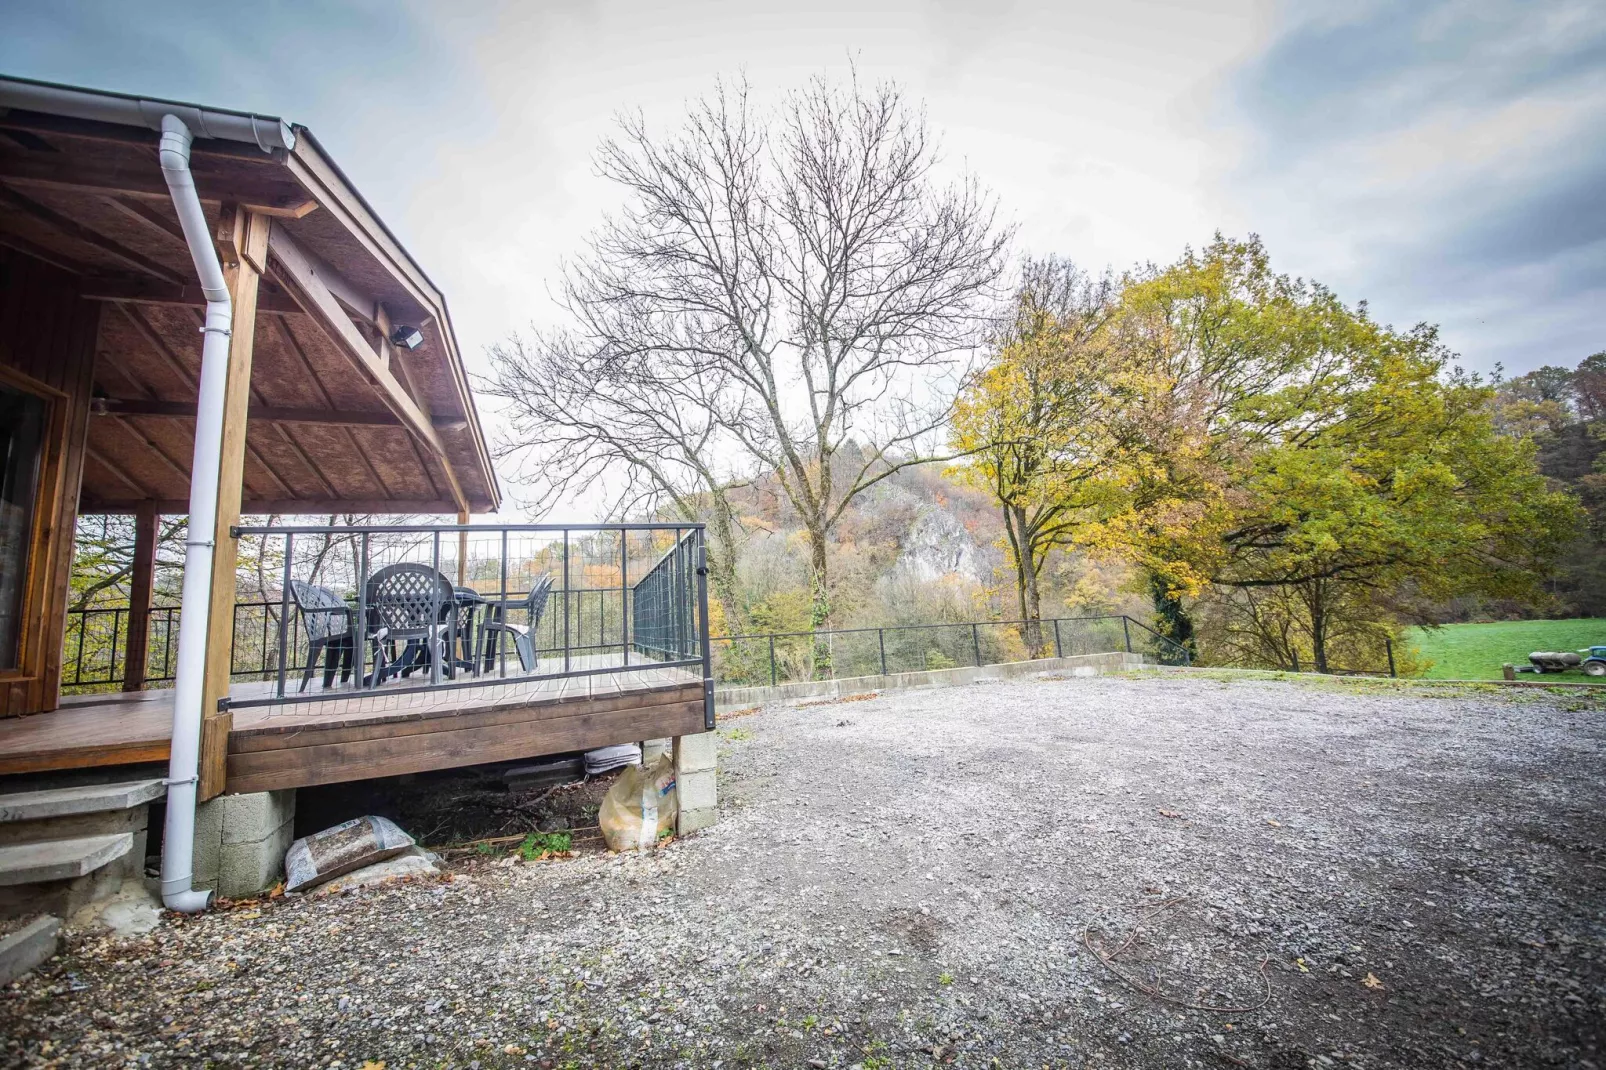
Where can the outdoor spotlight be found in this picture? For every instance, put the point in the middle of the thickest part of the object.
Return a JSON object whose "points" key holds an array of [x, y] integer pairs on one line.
{"points": [[407, 337]]}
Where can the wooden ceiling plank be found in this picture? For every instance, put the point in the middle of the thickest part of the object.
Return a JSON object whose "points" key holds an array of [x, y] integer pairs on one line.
{"points": [[122, 477], [302, 273], [139, 436], [39, 252], [153, 338], [306, 459], [293, 507], [147, 292], [78, 232], [146, 214], [294, 345], [70, 174]]}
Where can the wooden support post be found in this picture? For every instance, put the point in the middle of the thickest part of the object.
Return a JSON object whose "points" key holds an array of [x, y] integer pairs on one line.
{"points": [[243, 244], [462, 550], [147, 521]]}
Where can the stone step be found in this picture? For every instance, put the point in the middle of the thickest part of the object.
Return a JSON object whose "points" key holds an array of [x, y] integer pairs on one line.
{"points": [[56, 860], [27, 946], [84, 799]]}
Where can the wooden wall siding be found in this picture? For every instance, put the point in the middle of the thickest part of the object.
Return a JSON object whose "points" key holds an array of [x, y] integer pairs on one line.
{"points": [[47, 334], [266, 758]]}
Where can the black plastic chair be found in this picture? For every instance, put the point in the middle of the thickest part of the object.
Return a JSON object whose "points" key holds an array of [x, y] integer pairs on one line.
{"points": [[409, 602], [326, 618], [523, 634]]}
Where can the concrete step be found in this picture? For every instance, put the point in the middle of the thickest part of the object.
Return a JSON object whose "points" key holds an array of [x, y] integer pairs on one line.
{"points": [[85, 799], [57, 860], [27, 946]]}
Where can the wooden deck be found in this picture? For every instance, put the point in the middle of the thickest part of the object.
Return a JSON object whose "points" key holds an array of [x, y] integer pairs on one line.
{"points": [[373, 733]]}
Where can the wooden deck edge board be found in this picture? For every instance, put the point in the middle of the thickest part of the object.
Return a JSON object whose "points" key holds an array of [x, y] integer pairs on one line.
{"points": [[318, 735], [395, 755]]}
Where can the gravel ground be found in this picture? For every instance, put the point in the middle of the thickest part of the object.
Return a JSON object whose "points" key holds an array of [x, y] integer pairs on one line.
{"points": [[1362, 876]]}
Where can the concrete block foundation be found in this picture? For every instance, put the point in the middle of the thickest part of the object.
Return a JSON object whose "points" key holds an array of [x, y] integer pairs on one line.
{"points": [[240, 841], [696, 781]]}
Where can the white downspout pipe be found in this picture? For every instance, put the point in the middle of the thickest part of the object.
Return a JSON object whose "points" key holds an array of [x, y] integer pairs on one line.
{"points": [[184, 765]]}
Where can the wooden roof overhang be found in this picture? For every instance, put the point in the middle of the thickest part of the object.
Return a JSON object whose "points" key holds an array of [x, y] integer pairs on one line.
{"points": [[340, 419]]}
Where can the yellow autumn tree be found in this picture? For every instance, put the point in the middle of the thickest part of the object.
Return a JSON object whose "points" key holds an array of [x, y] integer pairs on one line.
{"points": [[1039, 425]]}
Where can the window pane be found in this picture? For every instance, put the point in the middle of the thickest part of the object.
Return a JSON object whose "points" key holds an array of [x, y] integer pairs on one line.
{"points": [[22, 425]]}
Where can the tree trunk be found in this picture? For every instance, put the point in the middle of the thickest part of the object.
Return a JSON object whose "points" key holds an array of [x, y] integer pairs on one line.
{"points": [[1031, 612], [1178, 626], [722, 565], [1318, 626], [819, 602]]}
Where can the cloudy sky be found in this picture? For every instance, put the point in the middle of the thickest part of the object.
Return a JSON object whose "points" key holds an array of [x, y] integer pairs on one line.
{"points": [[1444, 161]]}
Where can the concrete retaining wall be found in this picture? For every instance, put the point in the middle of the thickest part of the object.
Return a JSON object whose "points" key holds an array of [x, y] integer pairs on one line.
{"points": [[738, 698]]}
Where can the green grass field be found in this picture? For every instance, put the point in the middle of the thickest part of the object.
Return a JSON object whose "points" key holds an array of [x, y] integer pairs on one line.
{"points": [[1476, 651]]}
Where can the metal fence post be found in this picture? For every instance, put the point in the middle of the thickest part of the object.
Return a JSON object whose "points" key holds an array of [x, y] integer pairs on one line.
{"points": [[975, 639], [708, 651], [1388, 646], [1126, 632], [359, 628], [624, 593], [881, 640], [284, 612], [1059, 649], [501, 633], [565, 600], [773, 679], [435, 615]]}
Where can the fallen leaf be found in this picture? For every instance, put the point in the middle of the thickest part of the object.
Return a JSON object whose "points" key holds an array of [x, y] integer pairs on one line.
{"points": [[1301, 964], [1169, 813], [1371, 981], [370, 1064], [513, 1049], [1274, 823]]}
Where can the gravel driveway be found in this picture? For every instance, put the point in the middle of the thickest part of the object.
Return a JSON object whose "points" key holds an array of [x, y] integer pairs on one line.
{"points": [[1359, 875]]}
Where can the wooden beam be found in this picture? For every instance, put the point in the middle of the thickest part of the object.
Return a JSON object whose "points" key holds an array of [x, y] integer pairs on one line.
{"points": [[147, 522], [273, 192], [89, 506], [247, 239], [147, 292], [308, 280], [268, 413], [75, 230]]}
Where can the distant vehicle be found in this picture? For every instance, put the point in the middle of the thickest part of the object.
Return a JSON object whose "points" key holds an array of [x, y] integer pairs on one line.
{"points": [[1592, 660]]}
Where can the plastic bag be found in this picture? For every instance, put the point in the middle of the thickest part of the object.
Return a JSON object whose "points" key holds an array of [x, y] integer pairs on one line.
{"points": [[350, 845], [640, 807]]}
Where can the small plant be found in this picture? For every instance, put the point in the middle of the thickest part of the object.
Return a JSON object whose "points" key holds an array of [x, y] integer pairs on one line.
{"points": [[538, 845], [738, 735], [946, 978], [487, 850]]}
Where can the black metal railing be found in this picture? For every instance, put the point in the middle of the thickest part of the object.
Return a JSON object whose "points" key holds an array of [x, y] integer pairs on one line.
{"points": [[786, 657], [477, 627], [663, 627]]}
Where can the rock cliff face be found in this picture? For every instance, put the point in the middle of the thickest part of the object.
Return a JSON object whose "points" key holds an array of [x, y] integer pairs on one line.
{"points": [[938, 545]]}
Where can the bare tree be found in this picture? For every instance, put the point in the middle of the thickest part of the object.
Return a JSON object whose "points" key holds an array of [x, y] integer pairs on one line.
{"points": [[804, 268], [584, 417]]}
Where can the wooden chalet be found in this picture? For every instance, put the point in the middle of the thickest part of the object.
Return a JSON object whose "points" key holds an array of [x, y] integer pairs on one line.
{"points": [[346, 394]]}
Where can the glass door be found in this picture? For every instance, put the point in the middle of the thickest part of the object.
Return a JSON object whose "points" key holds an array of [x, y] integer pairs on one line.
{"points": [[23, 418]]}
